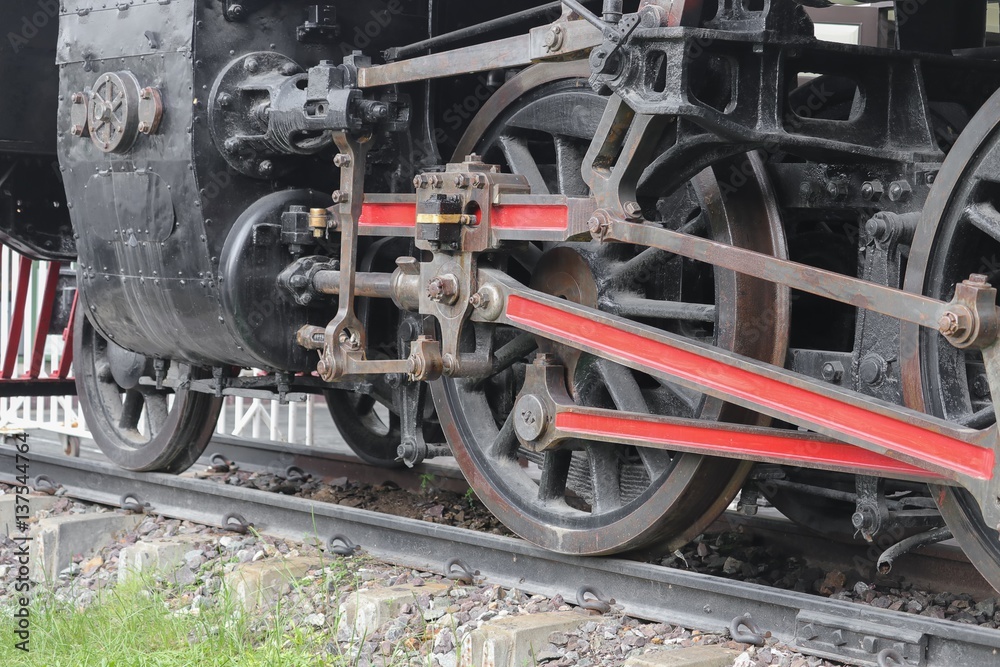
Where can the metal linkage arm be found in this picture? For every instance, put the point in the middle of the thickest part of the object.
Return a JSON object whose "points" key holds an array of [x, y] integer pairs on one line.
{"points": [[963, 455], [547, 417], [971, 320]]}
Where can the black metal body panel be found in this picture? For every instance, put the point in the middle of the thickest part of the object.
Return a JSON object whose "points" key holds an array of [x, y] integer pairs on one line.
{"points": [[153, 221]]}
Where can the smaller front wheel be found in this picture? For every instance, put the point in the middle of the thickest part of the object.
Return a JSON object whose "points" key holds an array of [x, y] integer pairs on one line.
{"points": [[369, 428], [138, 426]]}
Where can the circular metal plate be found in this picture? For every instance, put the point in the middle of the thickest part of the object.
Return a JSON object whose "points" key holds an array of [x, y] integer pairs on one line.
{"points": [[113, 112]]}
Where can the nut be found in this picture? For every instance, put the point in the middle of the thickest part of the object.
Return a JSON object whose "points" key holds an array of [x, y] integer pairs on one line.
{"points": [[342, 160], [443, 289], [872, 190], [899, 191], [632, 210], [833, 371], [341, 197]]}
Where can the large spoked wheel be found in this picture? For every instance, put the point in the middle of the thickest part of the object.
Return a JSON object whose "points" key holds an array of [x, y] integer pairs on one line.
{"points": [[594, 498], [959, 235], [137, 426]]}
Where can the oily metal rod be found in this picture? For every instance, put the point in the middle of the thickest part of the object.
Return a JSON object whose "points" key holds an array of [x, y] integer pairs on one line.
{"points": [[371, 285], [472, 31]]}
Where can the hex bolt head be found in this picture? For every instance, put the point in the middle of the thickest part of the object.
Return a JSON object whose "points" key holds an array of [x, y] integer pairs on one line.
{"points": [[950, 324], [899, 191], [872, 190], [250, 65], [341, 197], [224, 100], [632, 210], [837, 189], [342, 160], [288, 69], [145, 127], [78, 98], [872, 370], [833, 371], [443, 289], [265, 168], [146, 93], [77, 130], [462, 181]]}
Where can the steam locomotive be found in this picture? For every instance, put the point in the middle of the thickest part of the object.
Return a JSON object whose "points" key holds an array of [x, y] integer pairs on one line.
{"points": [[624, 261]]}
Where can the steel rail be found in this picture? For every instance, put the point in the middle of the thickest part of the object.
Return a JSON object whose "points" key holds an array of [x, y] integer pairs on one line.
{"points": [[833, 629]]}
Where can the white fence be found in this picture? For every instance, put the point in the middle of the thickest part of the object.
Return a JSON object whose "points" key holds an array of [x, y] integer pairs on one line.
{"points": [[253, 418]]}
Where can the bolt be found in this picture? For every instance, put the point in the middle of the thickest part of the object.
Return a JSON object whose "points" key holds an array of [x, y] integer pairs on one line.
{"points": [[265, 168], [341, 197], [78, 98], [899, 191], [145, 127], [554, 38], [235, 12], [479, 300], [435, 181], [251, 65], [420, 181], [288, 69], [836, 189], [146, 93], [342, 160], [224, 100], [232, 144], [462, 181], [479, 181], [833, 371], [633, 210], [77, 130], [930, 177], [872, 370], [443, 289], [872, 190], [806, 190], [299, 281], [349, 339], [950, 324]]}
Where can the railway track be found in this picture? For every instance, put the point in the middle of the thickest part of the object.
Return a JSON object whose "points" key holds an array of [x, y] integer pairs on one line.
{"points": [[832, 629]]}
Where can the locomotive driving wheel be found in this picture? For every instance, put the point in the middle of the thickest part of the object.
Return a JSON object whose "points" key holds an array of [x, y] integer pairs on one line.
{"points": [[959, 234], [136, 425], [594, 498]]}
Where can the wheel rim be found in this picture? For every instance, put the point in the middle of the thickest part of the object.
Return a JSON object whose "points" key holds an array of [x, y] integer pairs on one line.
{"points": [[139, 427], [608, 499], [953, 242]]}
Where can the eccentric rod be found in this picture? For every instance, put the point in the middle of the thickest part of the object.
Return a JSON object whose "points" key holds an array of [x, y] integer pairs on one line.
{"points": [[486, 27]]}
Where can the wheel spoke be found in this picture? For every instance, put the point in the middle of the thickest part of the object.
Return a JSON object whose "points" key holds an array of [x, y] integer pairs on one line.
{"points": [[985, 217], [605, 474], [157, 411], [627, 395], [569, 157], [131, 411], [514, 351], [505, 445], [520, 161], [555, 473], [527, 255], [665, 310]]}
